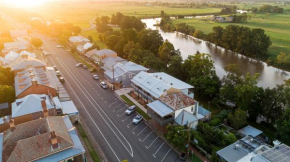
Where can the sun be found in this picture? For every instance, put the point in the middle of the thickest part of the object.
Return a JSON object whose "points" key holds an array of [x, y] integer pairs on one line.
{"points": [[24, 3]]}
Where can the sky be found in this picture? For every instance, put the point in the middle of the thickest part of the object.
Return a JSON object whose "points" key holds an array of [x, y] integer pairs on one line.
{"points": [[23, 3]]}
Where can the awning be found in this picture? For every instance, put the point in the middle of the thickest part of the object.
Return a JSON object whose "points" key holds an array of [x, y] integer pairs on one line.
{"points": [[160, 108]]}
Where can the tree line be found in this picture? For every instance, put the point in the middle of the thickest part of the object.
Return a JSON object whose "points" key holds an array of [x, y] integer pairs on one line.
{"points": [[7, 93], [268, 9]]}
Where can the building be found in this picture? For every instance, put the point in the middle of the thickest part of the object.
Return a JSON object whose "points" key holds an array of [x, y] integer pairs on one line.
{"points": [[18, 34], [24, 62], [175, 106], [52, 138], [99, 55], [121, 74], [78, 40], [250, 131], [279, 153], [33, 80], [11, 56], [82, 48], [151, 86], [15, 46]]}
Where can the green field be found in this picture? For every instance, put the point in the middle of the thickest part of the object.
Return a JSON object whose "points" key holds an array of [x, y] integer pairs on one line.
{"points": [[5, 26], [81, 13], [277, 26]]}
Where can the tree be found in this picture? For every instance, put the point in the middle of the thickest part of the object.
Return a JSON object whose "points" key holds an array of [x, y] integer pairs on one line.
{"points": [[200, 72], [177, 137], [127, 48], [7, 94], [3, 79], [91, 38], [76, 30], [216, 35], [120, 46], [36, 42], [150, 40], [199, 34], [166, 51], [112, 41], [238, 119], [175, 67], [283, 127], [7, 76]]}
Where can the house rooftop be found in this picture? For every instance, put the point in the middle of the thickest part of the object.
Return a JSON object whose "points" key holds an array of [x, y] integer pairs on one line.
{"points": [[250, 131], [177, 100], [31, 141], [18, 33], [158, 83], [78, 39], [104, 52], [280, 153], [160, 108], [24, 62]]}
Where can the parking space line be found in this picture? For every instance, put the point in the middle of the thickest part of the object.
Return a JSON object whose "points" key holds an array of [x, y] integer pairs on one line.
{"points": [[113, 102], [158, 149], [137, 126], [129, 124], [117, 106], [121, 115], [147, 136], [126, 118], [166, 154], [152, 143], [142, 131], [121, 109]]}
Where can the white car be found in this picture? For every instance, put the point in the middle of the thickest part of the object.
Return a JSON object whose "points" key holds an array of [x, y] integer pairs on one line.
{"points": [[103, 85], [137, 119], [45, 53], [79, 64], [59, 46], [130, 110], [95, 77]]}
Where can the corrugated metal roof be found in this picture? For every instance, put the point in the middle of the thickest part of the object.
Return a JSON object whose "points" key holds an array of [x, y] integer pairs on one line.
{"points": [[160, 108]]}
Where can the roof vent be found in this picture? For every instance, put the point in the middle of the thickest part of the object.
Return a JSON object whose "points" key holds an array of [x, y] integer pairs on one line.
{"points": [[251, 139], [160, 78], [237, 146], [171, 83]]}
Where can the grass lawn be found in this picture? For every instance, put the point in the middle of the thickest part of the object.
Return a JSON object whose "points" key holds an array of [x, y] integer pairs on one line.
{"points": [[95, 35], [129, 102], [80, 59], [277, 26], [87, 142], [195, 158], [5, 26], [80, 13]]}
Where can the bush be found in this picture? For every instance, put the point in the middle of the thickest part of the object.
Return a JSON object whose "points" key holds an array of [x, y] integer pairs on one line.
{"points": [[215, 122]]}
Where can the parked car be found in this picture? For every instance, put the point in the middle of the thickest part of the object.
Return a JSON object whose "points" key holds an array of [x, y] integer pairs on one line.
{"points": [[55, 68], [96, 77], [58, 73], [79, 64], [104, 85], [137, 119], [85, 66], [45, 53], [61, 79], [182, 156], [59, 46], [130, 110]]}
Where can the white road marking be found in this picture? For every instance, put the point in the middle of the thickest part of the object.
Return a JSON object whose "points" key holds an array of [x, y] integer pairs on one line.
{"points": [[158, 149], [120, 109], [152, 143], [126, 118], [147, 136], [142, 131], [137, 126], [129, 124], [91, 118], [98, 110], [166, 154], [123, 114], [113, 103], [117, 105]]}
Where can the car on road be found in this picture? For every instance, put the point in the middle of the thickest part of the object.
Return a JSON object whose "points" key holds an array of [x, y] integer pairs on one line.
{"points": [[96, 77], [104, 85], [137, 119], [61, 79], [58, 73], [59, 46], [55, 68], [45, 53], [79, 64], [85, 66], [130, 110]]}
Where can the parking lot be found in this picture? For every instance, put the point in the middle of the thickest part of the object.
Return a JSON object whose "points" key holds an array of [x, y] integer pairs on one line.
{"points": [[159, 149]]}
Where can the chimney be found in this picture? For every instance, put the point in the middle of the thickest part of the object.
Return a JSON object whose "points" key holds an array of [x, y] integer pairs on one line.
{"points": [[4, 119], [53, 140], [45, 111], [196, 109], [34, 81], [12, 125]]}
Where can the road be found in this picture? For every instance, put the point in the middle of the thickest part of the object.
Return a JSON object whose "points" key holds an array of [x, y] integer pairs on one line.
{"points": [[104, 113]]}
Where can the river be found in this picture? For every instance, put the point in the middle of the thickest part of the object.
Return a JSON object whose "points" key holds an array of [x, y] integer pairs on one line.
{"points": [[269, 76]]}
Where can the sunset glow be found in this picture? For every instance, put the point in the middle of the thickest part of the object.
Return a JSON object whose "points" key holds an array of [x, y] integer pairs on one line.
{"points": [[24, 3]]}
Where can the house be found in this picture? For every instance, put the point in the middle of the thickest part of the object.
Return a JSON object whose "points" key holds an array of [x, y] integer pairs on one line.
{"points": [[121, 74], [175, 106], [78, 40], [83, 48], [279, 153], [109, 62], [33, 80], [242, 150], [150, 86], [52, 138], [24, 62], [67, 108], [99, 55], [11, 56], [250, 131], [15, 46], [18, 34]]}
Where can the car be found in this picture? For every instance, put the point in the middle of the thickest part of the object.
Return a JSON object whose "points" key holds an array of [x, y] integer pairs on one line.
{"points": [[59, 46], [130, 110], [95, 77], [79, 64], [182, 156], [61, 79], [104, 85], [137, 119], [55, 68], [85, 66], [45, 53], [58, 73]]}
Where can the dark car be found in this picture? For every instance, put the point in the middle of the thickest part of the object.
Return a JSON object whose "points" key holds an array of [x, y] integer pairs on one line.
{"points": [[85, 66]]}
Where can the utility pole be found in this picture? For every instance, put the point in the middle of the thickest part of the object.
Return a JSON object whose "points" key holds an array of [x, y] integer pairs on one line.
{"points": [[113, 78]]}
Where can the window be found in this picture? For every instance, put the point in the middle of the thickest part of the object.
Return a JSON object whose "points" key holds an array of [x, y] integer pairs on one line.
{"points": [[130, 75], [124, 77]]}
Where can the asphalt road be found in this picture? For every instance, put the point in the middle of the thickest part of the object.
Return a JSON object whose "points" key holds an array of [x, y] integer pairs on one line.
{"points": [[104, 113]]}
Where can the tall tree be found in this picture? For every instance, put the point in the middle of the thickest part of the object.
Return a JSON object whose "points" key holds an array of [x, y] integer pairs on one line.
{"points": [[150, 40], [7, 94], [166, 51], [36, 42], [175, 67], [283, 127]]}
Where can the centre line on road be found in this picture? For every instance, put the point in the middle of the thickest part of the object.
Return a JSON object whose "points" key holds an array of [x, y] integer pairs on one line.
{"points": [[147, 136], [166, 154], [142, 131], [152, 143], [158, 149]]}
